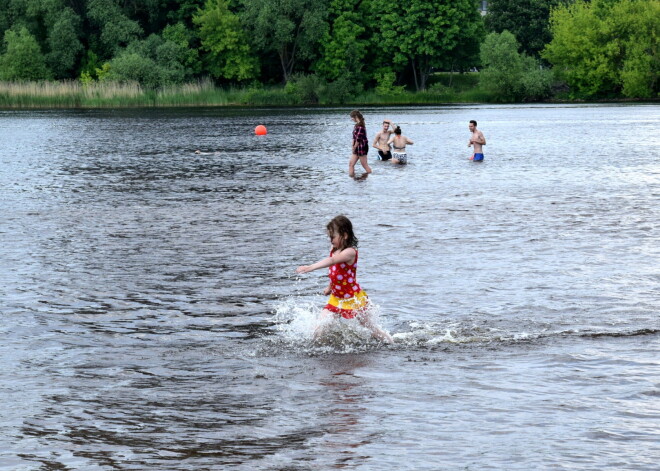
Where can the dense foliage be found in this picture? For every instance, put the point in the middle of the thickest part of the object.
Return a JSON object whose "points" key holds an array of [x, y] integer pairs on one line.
{"points": [[162, 42], [527, 20], [333, 50], [607, 47], [509, 74]]}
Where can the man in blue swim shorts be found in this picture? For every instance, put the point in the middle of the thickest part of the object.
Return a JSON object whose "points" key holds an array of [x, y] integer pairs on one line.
{"points": [[477, 140]]}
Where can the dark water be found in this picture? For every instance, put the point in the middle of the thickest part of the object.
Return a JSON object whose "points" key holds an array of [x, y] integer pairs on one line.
{"points": [[151, 318]]}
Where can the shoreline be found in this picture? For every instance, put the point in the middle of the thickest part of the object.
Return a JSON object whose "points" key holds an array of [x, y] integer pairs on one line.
{"points": [[317, 106], [204, 94]]}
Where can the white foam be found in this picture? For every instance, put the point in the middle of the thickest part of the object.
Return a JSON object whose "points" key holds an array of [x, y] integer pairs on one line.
{"points": [[296, 321]]}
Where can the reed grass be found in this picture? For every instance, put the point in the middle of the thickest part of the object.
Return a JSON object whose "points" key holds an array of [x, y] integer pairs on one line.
{"points": [[74, 94]]}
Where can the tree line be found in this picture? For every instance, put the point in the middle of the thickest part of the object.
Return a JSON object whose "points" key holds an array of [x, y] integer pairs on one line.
{"points": [[524, 49]]}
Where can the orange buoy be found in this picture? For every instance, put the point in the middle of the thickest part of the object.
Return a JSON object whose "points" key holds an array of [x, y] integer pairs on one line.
{"points": [[260, 130]]}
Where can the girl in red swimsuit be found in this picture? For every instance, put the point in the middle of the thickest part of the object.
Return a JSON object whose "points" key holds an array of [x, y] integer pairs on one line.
{"points": [[360, 144], [347, 299]]}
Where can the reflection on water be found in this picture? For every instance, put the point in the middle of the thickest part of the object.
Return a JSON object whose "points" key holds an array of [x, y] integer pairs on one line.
{"points": [[152, 319]]}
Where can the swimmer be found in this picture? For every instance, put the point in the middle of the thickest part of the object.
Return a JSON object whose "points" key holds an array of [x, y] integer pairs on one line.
{"points": [[347, 299], [380, 142], [399, 142], [477, 140]]}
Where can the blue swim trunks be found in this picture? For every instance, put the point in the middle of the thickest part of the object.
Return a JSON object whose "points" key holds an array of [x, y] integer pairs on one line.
{"points": [[478, 157]]}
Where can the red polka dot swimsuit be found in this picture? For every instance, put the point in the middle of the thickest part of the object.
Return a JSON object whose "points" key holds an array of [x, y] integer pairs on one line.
{"points": [[347, 298]]}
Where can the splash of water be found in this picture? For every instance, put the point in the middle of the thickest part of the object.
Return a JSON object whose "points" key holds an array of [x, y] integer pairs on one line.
{"points": [[296, 321], [437, 333]]}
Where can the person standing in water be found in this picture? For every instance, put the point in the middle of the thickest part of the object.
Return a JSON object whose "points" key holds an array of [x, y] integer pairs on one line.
{"points": [[360, 144], [477, 140], [347, 299], [380, 142], [399, 142]]}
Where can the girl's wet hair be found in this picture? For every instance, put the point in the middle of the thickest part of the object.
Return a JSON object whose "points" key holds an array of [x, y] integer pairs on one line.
{"points": [[397, 130], [358, 115], [342, 225]]}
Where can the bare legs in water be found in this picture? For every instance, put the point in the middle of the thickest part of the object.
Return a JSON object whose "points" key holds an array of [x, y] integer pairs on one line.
{"points": [[363, 318], [353, 161]]}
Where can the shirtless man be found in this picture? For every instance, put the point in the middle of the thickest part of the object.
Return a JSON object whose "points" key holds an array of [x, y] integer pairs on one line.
{"points": [[477, 140], [380, 142]]}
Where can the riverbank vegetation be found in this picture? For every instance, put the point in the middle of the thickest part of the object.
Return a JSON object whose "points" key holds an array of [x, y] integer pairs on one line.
{"points": [[445, 88], [111, 53]]}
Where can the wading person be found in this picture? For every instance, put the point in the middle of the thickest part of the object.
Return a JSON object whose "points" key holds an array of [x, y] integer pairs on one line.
{"points": [[347, 299], [477, 140], [399, 141], [380, 142], [360, 144]]}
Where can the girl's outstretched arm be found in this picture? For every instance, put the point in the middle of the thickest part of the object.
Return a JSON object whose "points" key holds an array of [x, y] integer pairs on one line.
{"points": [[345, 256]]}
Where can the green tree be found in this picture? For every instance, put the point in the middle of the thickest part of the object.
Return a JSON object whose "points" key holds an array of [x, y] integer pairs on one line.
{"points": [[228, 54], [607, 47], [131, 66], [526, 19], [183, 37], [509, 74], [465, 54], [5, 19], [114, 28], [151, 15], [23, 59], [63, 42], [55, 26], [344, 45], [183, 11], [425, 33], [292, 29], [153, 62]]}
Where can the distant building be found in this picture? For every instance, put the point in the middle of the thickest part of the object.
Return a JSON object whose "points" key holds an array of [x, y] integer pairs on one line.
{"points": [[483, 8]]}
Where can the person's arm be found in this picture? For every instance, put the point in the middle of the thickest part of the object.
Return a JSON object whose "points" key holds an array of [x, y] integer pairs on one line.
{"points": [[479, 140], [375, 144], [409, 141], [345, 256], [390, 140], [328, 289]]}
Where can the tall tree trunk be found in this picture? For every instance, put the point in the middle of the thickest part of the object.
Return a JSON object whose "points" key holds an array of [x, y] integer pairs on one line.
{"points": [[287, 61], [423, 77], [414, 68], [282, 53], [451, 73], [424, 72]]}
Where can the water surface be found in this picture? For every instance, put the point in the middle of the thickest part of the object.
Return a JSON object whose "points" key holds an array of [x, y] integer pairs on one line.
{"points": [[151, 317]]}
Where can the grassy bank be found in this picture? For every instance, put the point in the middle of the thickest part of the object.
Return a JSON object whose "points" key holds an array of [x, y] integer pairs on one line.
{"points": [[113, 95], [443, 88]]}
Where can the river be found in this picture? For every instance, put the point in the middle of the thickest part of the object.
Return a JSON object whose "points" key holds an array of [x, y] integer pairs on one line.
{"points": [[152, 317]]}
